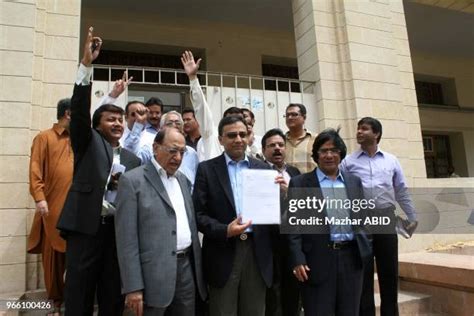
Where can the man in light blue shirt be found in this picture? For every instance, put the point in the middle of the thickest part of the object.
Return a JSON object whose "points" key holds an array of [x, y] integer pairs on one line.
{"points": [[383, 181]]}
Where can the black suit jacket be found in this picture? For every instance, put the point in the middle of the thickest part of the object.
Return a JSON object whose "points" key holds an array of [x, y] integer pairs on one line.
{"points": [[292, 171], [312, 249], [93, 157], [215, 209]]}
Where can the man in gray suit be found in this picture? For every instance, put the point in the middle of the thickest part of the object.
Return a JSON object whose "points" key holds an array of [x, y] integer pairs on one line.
{"points": [[157, 241]]}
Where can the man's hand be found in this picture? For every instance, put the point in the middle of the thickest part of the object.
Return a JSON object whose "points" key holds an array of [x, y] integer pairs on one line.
{"points": [[92, 47], [190, 66], [281, 181], [134, 301], [140, 114], [120, 86], [42, 208], [300, 272], [235, 228]]}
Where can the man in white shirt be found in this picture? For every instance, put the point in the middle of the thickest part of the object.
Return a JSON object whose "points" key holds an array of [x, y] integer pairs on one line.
{"points": [[157, 241]]}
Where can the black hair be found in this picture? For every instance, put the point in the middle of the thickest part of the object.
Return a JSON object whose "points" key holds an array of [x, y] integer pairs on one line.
{"points": [[300, 106], [154, 101], [188, 110], [271, 133], [252, 116], [229, 120], [63, 106], [160, 136], [329, 134], [374, 124], [232, 110], [130, 103], [104, 108]]}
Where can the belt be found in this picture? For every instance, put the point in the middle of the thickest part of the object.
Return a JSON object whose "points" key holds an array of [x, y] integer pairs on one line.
{"points": [[337, 245], [106, 219], [245, 236], [181, 254]]}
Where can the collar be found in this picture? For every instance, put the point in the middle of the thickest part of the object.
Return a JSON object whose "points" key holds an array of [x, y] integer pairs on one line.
{"points": [[117, 150], [275, 166], [360, 152], [322, 176], [162, 172], [149, 127], [228, 160], [58, 129]]}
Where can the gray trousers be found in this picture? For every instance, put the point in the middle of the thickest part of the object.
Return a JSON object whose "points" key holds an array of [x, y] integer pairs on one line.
{"points": [[184, 293], [244, 292]]}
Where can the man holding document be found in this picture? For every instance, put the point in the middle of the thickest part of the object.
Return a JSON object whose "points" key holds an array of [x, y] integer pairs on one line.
{"points": [[237, 256]]}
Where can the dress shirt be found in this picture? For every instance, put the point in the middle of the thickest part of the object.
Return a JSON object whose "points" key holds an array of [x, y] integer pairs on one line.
{"points": [[299, 152], [173, 189], [382, 179], [84, 74], [208, 146], [107, 207], [336, 190], [281, 171], [235, 176]]}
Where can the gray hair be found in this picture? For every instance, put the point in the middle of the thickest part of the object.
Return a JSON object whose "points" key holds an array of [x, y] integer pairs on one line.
{"points": [[165, 116]]}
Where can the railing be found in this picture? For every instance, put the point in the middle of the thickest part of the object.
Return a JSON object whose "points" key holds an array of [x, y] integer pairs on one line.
{"points": [[269, 94]]}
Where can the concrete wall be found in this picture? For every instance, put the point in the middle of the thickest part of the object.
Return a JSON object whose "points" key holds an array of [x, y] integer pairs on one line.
{"points": [[38, 53], [229, 47]]}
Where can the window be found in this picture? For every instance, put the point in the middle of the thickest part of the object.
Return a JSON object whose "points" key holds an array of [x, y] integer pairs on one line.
{"points": [[429, 92], [280, 71]]}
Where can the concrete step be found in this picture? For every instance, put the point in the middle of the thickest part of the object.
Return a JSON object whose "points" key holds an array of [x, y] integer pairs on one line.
{"points": [[410, 303]]}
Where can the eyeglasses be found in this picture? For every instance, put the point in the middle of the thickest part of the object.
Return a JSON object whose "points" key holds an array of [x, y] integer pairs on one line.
{"points": [[291, 114], [233, 135], [326, 151], [174, 151], [171, 123]]}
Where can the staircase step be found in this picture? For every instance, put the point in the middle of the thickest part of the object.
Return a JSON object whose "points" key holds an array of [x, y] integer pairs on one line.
{"points": [[410, 303]]}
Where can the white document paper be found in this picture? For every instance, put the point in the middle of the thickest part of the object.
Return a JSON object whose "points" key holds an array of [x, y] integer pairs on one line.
{"points": [[260, 197]]}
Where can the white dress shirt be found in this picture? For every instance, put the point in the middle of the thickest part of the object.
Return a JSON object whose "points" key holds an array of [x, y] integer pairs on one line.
{"points": [[173, 189]]}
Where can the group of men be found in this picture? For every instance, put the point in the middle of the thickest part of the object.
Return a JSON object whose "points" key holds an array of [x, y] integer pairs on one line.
{"points": [[120, 204]]}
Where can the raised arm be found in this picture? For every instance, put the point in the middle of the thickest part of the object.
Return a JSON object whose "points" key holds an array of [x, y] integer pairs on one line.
{"points": [[202, 111], [119, 87], [80, 126]]}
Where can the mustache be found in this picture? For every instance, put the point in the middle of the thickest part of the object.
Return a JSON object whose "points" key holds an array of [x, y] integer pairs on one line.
{"points": [[277, 153]]}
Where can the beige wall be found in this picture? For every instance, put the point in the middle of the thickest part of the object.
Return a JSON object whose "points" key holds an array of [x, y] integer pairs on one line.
{"points": [[229, 47], [38, 53]]}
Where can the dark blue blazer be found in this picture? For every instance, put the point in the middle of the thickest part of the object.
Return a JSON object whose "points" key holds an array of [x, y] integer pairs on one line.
{"points": [[313, 249]]}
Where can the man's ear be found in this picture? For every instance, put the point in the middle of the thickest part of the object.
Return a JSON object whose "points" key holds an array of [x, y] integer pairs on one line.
{"points": [[220, 140], [67, 114]]}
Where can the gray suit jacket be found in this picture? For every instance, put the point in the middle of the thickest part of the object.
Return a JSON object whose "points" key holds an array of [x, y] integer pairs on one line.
{"points": [[145, 225]]}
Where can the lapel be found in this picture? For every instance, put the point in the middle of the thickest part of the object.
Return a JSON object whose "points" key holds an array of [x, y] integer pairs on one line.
{"points": [[125, 159], [310, 180], [222, 175], [185, 190], [108, 149], [154, 178]]}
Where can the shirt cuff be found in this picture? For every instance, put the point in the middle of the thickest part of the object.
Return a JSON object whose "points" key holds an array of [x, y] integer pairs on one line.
{"points": [[83, 75]]}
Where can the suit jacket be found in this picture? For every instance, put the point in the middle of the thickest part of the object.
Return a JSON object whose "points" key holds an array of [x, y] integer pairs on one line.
{"points": [[93, 157], [292, 171], [146, 236], [215, 209], [312, 249]]}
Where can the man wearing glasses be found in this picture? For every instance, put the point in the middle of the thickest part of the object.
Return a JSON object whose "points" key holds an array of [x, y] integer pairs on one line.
{"points": [[237, 257], [298, 140], [157, 240]]}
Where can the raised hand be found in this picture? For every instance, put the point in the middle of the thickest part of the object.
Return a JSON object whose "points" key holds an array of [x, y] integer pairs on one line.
{"points": [[190, 66], [120, 85], [92, 48]]}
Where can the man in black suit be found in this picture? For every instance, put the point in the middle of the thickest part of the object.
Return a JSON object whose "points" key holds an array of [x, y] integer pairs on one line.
{"points": [[237, 257], [283, 297], [329, 262], [87, 220]]}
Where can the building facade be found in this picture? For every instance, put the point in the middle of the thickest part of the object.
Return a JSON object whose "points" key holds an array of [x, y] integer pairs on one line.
{"points": [[408, 63]]}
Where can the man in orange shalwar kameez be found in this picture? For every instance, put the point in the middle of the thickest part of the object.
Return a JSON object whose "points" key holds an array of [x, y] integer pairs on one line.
{"points": [[51, 168]]}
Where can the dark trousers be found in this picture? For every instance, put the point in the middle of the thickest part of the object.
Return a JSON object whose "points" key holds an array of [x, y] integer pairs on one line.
{"points": [[283, 298], [183, 303], [340, 293], [92, 266], [244, 292], [385, 250]]}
